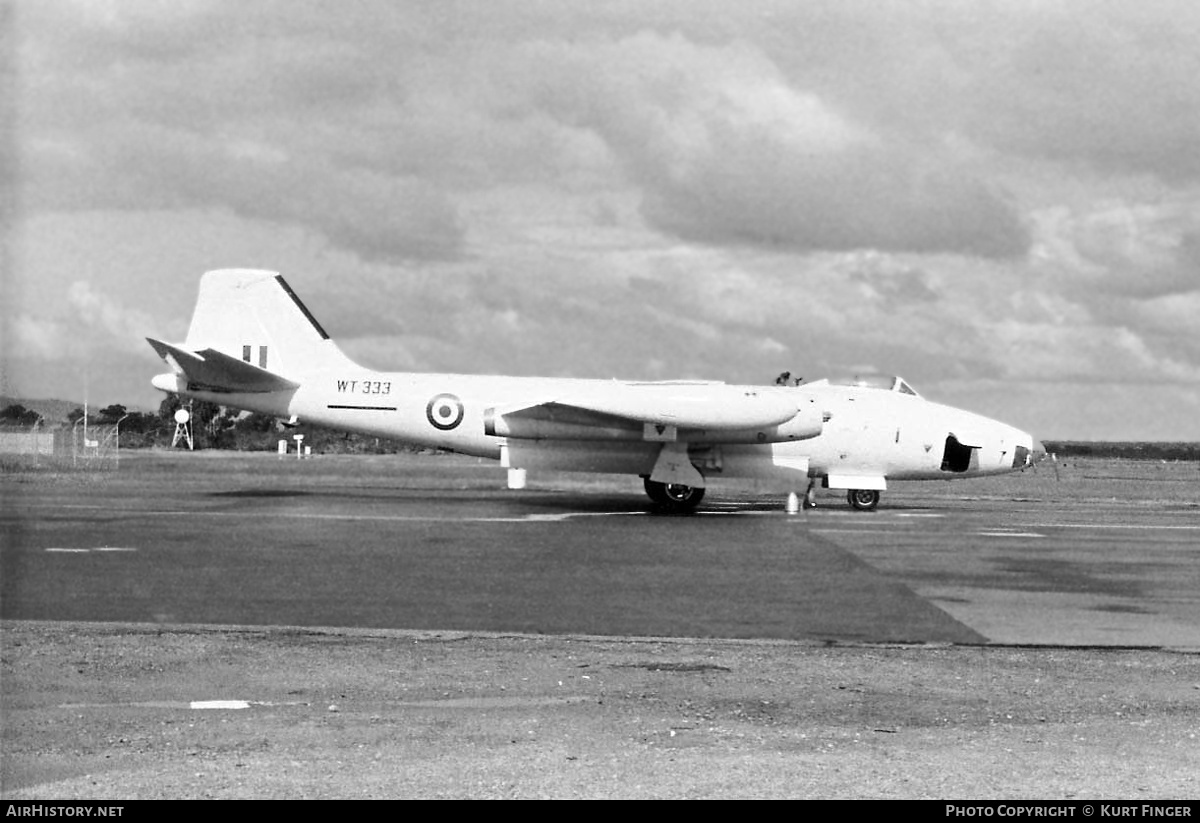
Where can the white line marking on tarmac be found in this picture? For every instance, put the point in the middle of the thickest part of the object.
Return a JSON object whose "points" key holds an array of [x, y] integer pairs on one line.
{"points": [[1008, 534], [238, 705], [219, 704], [96, 549], [183, 704], [532, 518], [1138, 526], [880, 526]]}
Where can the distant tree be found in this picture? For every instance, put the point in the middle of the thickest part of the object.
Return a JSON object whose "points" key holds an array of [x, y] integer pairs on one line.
{"points": [[113, 413], [75, 416], [16, 414], [167, 408], [141, 422], [256, 422]]}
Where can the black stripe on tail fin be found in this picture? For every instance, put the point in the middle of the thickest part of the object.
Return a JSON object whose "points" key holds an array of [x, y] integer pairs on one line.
{"points": [[300, 305]]}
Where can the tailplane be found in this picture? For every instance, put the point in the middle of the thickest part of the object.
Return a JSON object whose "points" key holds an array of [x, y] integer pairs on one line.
{"points": [[210, 370]]}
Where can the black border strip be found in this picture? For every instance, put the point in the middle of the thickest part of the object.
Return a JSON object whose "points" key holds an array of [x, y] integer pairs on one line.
{"points": [[363, 408], [300, 305]]}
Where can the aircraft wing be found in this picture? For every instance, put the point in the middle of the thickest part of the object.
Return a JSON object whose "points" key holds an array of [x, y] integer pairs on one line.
{"points": [[215, 371], [657, 410], [689, 405]]}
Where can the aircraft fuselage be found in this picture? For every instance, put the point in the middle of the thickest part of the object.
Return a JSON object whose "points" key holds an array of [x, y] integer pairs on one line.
{"points": [[865, 434]]}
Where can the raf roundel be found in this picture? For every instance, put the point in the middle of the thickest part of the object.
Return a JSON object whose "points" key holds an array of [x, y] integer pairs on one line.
{"points": [[445, 411]]}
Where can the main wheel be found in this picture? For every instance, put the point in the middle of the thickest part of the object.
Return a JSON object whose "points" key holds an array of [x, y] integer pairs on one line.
{"points": [[674, 497], [864, 500]]}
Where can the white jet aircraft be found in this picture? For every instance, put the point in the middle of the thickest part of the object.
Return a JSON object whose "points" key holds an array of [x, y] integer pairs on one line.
{"points": [[253, 345]]}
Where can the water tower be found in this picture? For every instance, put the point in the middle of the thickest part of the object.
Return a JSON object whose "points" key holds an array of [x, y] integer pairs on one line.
{"points": [[183, 429]]}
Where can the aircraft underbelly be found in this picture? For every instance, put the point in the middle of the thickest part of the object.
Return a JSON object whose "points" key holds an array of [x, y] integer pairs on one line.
{"points": [[568, 455]]}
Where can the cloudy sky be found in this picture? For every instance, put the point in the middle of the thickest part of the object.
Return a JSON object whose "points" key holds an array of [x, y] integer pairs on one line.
{"points": [[998, 200]]}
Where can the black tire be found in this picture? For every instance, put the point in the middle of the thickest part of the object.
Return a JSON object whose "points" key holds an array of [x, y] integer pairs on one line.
{"points": [[674, 497], [864, 500]]}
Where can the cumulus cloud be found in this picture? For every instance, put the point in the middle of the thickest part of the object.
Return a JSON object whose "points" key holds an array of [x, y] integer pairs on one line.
{"points": [[867, 137], [89, 321], [1108, 252], [118, 326], [379, 216], [727, 151], [1112, 86], [180, 128], [891, 280], [36, 338]]}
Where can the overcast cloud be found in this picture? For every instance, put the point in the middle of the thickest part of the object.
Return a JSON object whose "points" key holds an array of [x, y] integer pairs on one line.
{"points": [[1000, 201]]}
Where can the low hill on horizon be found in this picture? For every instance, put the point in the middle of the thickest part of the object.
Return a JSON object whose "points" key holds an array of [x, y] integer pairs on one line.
{"points": [[53, 411], [1126, 449]]}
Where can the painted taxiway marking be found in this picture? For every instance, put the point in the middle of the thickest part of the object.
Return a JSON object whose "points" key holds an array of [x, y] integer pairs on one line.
{"points": [[883, 528], [525, 518], [496, 702], [184, 704], [219, 704], [1127, 526], [88, 551]]}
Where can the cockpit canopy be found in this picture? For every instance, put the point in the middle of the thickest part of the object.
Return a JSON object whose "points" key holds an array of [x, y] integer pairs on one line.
{"points": [[883, 382]]}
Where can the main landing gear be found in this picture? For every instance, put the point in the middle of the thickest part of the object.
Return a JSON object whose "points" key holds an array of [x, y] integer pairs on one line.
{"points": [[674, 497], [865, 500]]}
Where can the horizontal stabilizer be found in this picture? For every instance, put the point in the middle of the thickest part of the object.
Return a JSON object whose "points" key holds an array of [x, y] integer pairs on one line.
{"points": [[211, 370]]}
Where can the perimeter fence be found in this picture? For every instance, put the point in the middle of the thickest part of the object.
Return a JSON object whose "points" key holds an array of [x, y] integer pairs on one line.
{"points": [[89, 448]]}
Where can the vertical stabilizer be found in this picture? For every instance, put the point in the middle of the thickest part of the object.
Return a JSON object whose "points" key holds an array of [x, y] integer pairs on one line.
{"points": [[255, 316]]}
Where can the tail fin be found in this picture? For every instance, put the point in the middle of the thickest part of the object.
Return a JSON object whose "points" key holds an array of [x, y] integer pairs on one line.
{"points": [[255, 316]]}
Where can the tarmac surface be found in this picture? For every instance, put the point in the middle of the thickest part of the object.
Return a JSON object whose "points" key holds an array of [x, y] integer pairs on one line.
{"points": [[438, 542], [210, 625]]}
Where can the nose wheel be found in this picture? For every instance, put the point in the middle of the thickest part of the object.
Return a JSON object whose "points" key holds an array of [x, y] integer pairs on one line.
{"points": [[864, 500], [674, 497]]}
